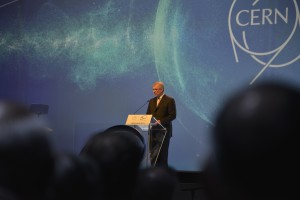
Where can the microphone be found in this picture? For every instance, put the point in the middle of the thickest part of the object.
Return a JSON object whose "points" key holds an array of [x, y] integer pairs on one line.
{"points": [[141, 106]]}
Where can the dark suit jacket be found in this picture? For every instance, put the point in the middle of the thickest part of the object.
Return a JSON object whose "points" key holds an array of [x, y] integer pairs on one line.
{"points": [[165, 111]]}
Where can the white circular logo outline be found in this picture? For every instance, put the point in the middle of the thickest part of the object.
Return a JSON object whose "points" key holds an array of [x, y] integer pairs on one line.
{"points": [[254, 54]]}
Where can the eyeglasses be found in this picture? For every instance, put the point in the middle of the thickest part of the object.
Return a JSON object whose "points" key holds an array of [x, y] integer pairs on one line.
{"points": [[154, 89]]}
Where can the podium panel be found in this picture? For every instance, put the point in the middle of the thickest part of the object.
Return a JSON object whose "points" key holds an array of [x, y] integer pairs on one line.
{"points": [[147, 125], [144, 131], [157, 135], [141, 120]]}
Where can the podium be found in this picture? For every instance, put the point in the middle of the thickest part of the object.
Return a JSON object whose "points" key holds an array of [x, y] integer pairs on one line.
{"points": [[147, 125]]}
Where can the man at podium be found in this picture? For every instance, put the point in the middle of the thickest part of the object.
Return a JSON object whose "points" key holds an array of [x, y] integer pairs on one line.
{"points": [[163, 110]]}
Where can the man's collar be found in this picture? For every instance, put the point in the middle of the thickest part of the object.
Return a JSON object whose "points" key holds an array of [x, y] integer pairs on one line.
{"points": [[161, 96]]}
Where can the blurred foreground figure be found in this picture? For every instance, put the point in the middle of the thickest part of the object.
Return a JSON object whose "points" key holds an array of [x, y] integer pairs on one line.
{"points": [[118, 151], [11, 111], [255, 137], [75, 177], [159, 183], [26, 157]]}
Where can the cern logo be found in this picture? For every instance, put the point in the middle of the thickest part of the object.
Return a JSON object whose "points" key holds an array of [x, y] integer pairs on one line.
{"points": [[249, 24]]}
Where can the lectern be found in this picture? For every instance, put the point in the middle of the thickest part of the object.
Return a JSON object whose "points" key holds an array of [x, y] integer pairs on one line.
{"points": [[147, 125]]}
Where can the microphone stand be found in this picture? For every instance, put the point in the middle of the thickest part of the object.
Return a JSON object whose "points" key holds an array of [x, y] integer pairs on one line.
{"points": [[141, 107]]}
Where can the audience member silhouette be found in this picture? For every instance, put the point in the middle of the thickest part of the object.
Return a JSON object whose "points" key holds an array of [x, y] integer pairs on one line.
{"points": [[75, 177], [255, 152], [159, 183], [26, 156], [118, 151], [6, 195], [10, 111]]}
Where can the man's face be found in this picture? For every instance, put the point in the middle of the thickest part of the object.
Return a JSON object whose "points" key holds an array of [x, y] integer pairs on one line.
{"points": [[157, 90]]}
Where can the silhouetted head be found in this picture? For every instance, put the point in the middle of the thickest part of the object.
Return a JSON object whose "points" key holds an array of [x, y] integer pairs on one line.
{"points": [[255, 140], [118, 151], [11, 111], [75, 177], [26, 157], [159, 183], [6, 195]]}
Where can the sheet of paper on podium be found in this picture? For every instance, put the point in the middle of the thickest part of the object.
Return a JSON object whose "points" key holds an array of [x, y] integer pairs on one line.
{"points": [[140, 120]]}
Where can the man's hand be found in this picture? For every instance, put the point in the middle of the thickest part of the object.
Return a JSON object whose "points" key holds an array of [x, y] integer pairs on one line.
{"points": [[157, 122]]}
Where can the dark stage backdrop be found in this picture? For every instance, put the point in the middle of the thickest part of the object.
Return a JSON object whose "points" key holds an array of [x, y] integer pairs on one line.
{"points": [[94, 61]]}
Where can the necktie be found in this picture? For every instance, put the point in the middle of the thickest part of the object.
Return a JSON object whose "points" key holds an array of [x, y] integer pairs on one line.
{"points": [[158, 100]]}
